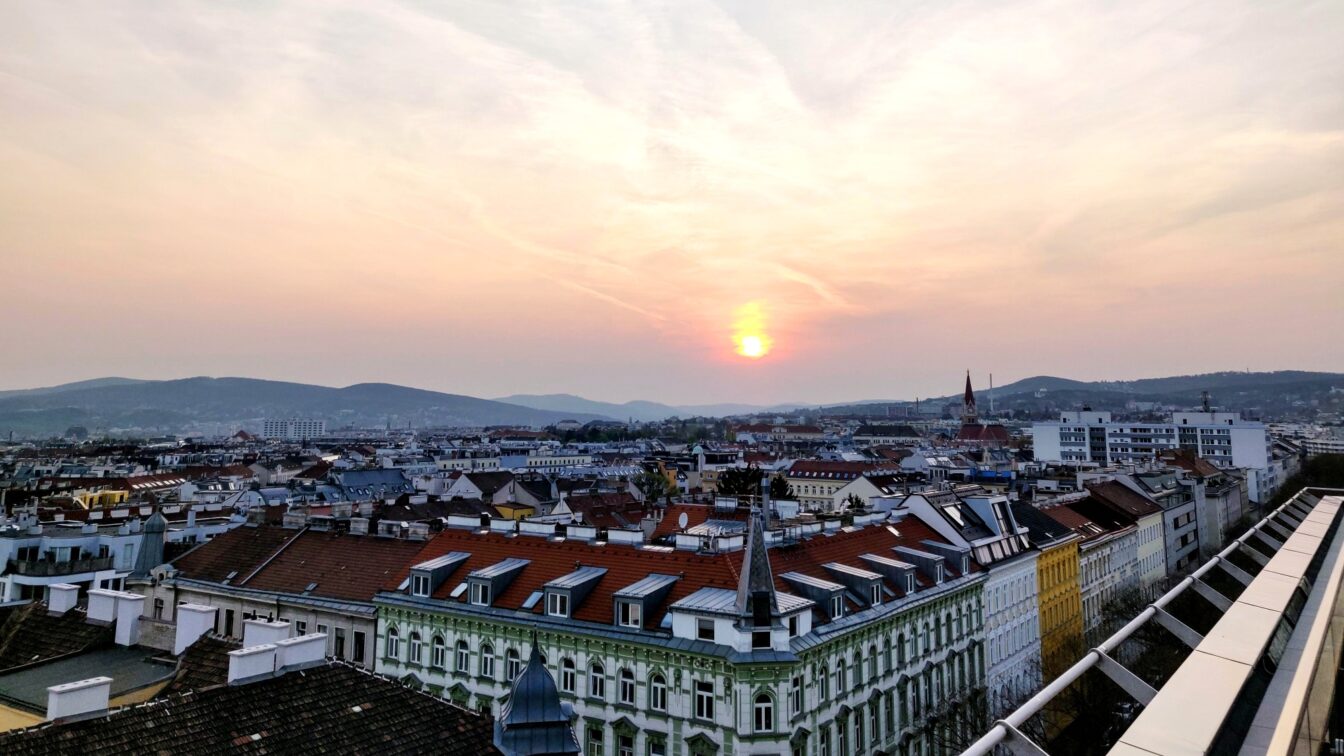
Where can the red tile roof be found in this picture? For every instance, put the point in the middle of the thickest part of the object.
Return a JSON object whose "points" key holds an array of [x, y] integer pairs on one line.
{"points": [[344, 566], [1122, 499], [696, 514], [626, 565], [239, 550]]}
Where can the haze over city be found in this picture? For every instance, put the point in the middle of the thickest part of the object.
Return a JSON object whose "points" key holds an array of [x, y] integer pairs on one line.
{"points": [[710, 202]]}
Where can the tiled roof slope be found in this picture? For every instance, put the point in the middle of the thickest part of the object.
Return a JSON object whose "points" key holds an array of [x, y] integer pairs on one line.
{"points": [[29, 634], [344, 566], [239, 550], [1122, 499], [204, 664], [626, 565], [332, 709]]}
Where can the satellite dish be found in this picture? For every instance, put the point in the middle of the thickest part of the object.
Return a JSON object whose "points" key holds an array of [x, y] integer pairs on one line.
{"points": [[682, 520]]}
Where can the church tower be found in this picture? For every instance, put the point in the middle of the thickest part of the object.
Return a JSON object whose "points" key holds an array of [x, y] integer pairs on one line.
{"points": [[968, 413]]}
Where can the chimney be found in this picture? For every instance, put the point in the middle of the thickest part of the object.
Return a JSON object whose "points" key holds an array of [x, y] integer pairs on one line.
{"points": [[102, 606], [359, 526], [419, 531], [61, 598], [129, 608], [191, 517], [303, 651], [73, 699], [193, 621], [366, 509], [257, 632], [251, 663]]}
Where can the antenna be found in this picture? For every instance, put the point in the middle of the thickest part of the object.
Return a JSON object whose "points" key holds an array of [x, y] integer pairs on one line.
{"points": [[991, 395]]}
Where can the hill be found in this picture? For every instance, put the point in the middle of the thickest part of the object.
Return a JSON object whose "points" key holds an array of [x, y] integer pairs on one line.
{"points": [[644, 411], [216, 405]]}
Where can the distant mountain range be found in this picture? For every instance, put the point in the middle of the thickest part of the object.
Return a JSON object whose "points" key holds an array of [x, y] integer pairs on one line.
{"points": [[638, 410], [1279, 393], [222, 405]]}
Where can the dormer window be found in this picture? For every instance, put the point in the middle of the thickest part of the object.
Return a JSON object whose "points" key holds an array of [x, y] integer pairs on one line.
{"points": [[480, 594], [629, 614], [760, 639], [837, 606], [419, 584], [557, 604], [910, 583], [875, 594]]}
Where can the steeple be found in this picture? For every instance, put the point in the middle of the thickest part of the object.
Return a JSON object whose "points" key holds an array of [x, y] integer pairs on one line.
{"points": [[756, 603], [151, 545], [968, 413], [533, 720]]}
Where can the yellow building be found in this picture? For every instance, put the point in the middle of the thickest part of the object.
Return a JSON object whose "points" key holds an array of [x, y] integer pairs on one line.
{"points": [[1060, 599]]}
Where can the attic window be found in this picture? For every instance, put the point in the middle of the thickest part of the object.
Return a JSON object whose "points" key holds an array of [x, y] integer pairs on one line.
{"points": [[910, 583], [557, 604], [459, 590], [310, 587], [480, 594], [837, 606], [419, 585], [875, 594]]}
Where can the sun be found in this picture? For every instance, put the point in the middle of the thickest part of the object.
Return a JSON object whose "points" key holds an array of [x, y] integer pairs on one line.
{"points": [[749, 336], [752, 346]]}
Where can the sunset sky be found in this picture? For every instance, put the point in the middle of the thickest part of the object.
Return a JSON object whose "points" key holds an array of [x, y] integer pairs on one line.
{"points": [[489, 198]]}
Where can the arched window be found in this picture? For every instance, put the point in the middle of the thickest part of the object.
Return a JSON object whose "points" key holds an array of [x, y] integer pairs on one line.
{"points": [[568, 675], [841, 677], [823, 684], [393, 643], [597, 682], [438, 655], [900, 650], [417, 649], [626, 687], [463, 657], [512, 665], [858, 668], [487, 660], [872, 662], [658, 692], [763, 713]]}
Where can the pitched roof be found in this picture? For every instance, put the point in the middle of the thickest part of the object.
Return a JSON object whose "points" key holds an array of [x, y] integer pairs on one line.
{"points": [[342, 566], [1124, 500], [29, 634], [237, 551], [335, 706]]}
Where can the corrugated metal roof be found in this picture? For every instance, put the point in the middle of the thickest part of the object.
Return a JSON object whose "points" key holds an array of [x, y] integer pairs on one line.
{"points": [[500, 568], [713, 600], [855, 571], [801, 579]]}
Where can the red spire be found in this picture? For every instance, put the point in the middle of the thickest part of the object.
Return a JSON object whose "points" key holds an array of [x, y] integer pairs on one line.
{"points": [[968, 413]]}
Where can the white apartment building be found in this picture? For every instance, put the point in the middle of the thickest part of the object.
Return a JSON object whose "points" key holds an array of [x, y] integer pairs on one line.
{"points": [[293, 428], [1088, 437]]}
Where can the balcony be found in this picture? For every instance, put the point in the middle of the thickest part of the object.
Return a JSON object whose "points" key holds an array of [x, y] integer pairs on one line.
{"points": [[43, 568]]}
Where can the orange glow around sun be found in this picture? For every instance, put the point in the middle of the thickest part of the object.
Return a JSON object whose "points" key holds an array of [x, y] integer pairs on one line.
{"points": [[749, 335]]}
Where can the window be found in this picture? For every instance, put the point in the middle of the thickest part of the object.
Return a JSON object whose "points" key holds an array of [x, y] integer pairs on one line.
{"points": [[463, 657], [826, 742], [438, 655], [340, 643], [393, 644], [837, 606], [158, 608], [597, 682], [417, 653], [704, 629], [419, 584], [625, 745], [557, 604], [228, 620], [796, 697], [568, 675], [760, 639], [595, 746], [658, 693], [513, 666], [629, 614], [704, 700], [487, 660], [358, 655], [875, 594], [657, 747], [763, 714], [823, 684], [626, 689], [841, 677], [480, 594], [793, 626], [301, 627]]}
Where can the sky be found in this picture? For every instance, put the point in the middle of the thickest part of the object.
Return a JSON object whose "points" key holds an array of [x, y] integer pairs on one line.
{"points": [[606, 199]]}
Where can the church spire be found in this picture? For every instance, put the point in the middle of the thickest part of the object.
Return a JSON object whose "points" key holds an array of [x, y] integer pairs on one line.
{"points": [[968, 413], [756, 601]]}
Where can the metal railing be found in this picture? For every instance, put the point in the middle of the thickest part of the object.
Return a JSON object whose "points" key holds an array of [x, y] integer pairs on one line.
{"points": [[42, 568], [1006, 732]]}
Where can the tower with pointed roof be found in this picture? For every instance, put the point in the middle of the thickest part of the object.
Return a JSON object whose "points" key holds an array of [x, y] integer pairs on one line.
{"points": [[757, 605], [151, 546], [968, 413], [534, 721]]}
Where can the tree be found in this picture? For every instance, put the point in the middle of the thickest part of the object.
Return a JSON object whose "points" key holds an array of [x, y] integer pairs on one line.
{"points": [[780, 488], [740, 481], [853, 502], [654, 485]]}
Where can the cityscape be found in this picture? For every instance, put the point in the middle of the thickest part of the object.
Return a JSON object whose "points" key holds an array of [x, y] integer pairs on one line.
{"points": [[695, 379]]}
